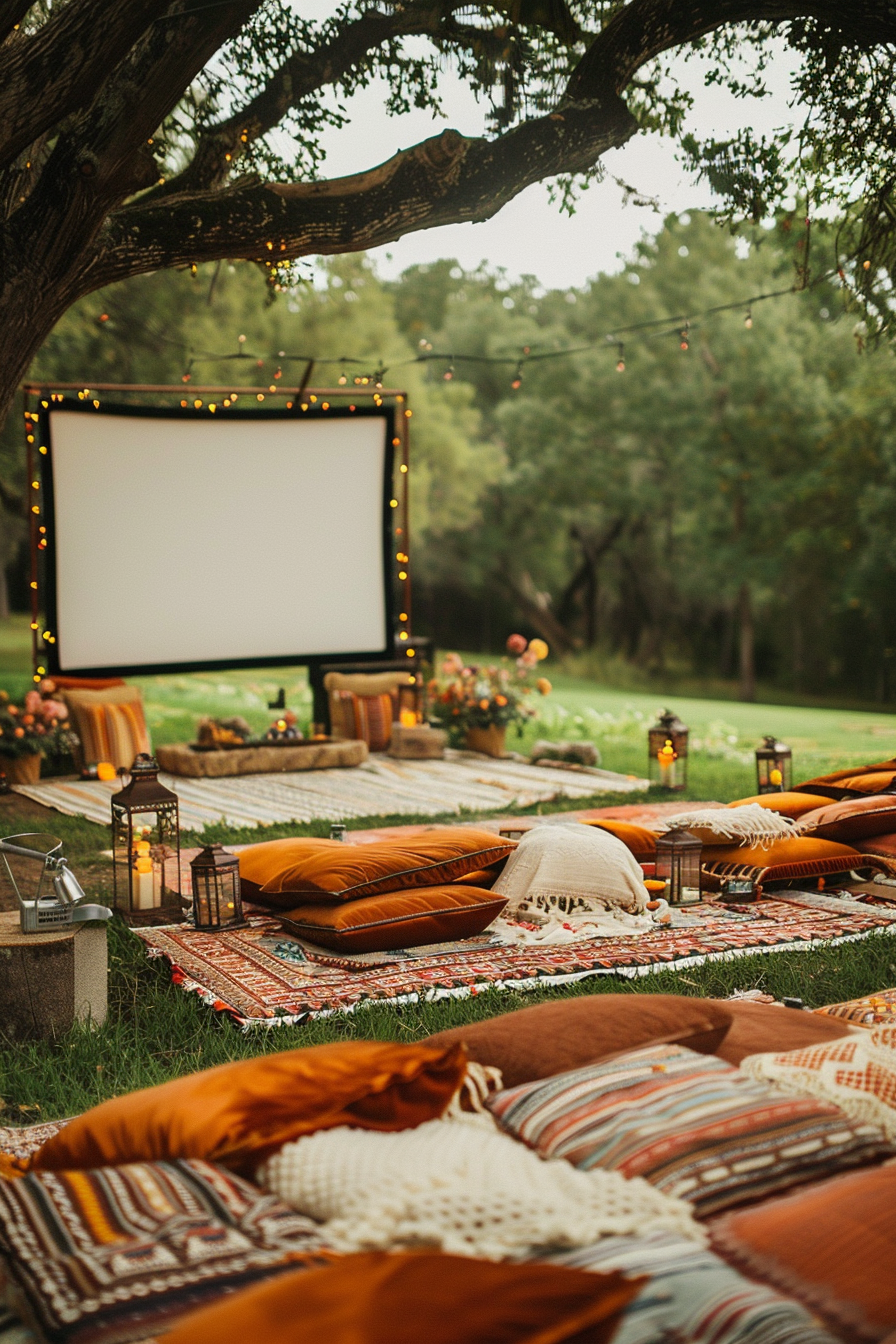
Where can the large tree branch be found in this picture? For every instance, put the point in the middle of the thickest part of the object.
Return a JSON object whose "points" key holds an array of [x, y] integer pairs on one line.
{"points": [[445, 180], [304, 73], [60, 69], [644, 29]]}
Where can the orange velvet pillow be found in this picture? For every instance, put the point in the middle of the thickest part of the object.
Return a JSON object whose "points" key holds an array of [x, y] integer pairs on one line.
{"points": [[792, 805], [853, 819], [421, 1297], [876, 778], [238, 1114], [884, 846], [830, 1246], [397, 919], [792, 857], [638, 839], [326, 872]]}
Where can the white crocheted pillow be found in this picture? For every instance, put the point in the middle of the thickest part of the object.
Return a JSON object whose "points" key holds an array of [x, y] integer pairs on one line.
{"points": [[746, 825], [460, 1185]]}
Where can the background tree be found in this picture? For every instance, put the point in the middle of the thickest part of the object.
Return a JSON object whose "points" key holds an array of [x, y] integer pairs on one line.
{"points": [[138, 134]]}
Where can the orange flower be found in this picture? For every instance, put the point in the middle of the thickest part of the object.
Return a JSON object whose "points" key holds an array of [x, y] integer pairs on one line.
{"points": [[28, 719], [543, 685], [539, 648], [483, 704], [500, 699], [18, 732]]}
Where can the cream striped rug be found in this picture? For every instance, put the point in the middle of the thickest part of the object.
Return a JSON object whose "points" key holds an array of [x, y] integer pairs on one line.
{"points": [[380, 787]]}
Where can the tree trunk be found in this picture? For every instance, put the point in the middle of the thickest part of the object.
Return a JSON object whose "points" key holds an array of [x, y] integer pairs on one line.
{"points": [[747, 644]]}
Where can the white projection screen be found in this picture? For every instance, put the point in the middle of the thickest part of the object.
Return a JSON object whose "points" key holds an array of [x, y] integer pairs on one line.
{"points": [[180, 541]]}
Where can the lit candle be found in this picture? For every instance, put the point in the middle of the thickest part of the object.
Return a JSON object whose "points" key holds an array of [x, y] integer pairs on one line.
{"points": [[408, 718], [776, 778], [667, 757], [144, 888]]}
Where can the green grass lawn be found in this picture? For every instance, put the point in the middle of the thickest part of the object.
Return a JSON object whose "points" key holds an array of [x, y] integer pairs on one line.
{"points": [[155, 1031]]}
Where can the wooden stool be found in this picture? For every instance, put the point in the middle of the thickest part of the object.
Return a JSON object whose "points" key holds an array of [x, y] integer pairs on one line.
{"points": [[49, 981]]}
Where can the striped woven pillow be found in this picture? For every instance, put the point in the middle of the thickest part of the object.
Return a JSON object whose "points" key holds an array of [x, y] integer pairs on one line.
{"points": [[368, 717], [691, 1124], [110, 724]]}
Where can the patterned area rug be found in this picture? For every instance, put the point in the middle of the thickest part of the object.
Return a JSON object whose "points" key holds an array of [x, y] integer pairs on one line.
{"points": [[23, 1140], [874, 1010], [260, 977], [464, 781]]}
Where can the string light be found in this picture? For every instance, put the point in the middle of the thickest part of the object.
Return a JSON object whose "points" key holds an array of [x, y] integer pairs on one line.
{"points": [[517, 380], [620, 361], [449, 372], [683, 341]]}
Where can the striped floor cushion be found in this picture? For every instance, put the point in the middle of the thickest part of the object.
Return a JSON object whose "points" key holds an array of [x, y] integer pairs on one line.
{"points": [[118, 1254], [693, 1297], [691, 1124]]}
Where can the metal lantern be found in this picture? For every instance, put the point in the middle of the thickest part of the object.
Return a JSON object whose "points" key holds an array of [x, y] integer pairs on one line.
{"points": [[667, 752], [410, 701], [678, 864], [217, 903], [145, 838], [774, 763]]}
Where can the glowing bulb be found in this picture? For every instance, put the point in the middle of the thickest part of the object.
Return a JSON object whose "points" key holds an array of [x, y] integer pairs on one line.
{"points": [[748, 320], [403, 468]]}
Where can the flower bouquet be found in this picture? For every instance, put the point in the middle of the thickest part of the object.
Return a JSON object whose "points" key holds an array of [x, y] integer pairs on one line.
{"points": [[28, 731], [477, 703]]}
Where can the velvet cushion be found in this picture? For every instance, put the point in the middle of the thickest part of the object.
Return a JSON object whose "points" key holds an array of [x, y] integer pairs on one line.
{"points": [[854, 780], [397, 919], [551, 1038], [109, 723], [692, 1125], [853, 819], [883, 846], [118, 1254], [326, 872], [830, 1246], [758, 1027], [238, 1114], [792, 805], [794, 857], [419, 1298], [638, 839], [364, 718], [482, 877]]}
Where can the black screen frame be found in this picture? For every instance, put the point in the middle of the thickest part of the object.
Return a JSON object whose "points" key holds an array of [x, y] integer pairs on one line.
{"points": [[52, 654]]}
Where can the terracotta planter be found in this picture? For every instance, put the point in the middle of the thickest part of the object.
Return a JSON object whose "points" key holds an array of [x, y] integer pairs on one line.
{"points": [[21, 769], [490, 740]]}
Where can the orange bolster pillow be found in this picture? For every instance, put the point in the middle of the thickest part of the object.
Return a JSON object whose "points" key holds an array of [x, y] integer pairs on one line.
{"points": [[238, 1114]]}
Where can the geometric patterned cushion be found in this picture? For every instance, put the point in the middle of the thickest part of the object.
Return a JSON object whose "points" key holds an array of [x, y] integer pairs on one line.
{"points": [[692, 1296], [690, 1124], [119, 1253]]}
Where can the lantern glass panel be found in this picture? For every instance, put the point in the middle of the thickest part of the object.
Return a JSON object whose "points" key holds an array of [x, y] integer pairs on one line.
{"points": [[410, 702], [217, 900], [667, 752], [774, 766], [145, 840], [678, 855]]}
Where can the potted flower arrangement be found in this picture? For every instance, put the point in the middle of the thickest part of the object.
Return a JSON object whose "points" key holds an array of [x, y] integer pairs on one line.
{"points": [[37, 727], [477, 703]]}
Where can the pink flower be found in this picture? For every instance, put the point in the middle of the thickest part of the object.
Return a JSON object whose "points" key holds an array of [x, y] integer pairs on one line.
{"points": [[33, 702], [452, 664], [516, 644], [52, 709], [528, 659]]}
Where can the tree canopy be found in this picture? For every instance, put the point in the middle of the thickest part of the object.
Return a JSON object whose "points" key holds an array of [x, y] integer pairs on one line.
{"points": [[137, 135]]}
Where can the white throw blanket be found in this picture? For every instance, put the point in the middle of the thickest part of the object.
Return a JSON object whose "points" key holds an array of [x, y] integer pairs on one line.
{"points": [[460, 1185], [748, 824], [571, 882]]}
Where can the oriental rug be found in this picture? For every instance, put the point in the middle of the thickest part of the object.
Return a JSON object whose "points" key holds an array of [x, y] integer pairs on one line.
{"points": [[874, 1010], [260, 977], [462, 782]]}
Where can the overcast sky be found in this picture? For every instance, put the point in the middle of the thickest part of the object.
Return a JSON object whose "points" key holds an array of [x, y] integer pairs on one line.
{"points": [[530, 236]]}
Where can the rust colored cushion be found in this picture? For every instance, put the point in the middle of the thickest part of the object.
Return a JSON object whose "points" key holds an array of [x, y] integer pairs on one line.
{"points": [[853, 819], [397, 919], [327, 872], [855, 779], [638, 839], [238, 1114], [757, 1028], [793, 857], [418, 1298], [831, 1246], [884, 846], [552, 1038], [792, 805], [482, 877]]}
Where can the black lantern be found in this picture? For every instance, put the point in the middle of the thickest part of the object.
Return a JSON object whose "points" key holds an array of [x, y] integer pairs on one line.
{"points": [[410, 701], [774, 762], [667, 752], [678, 864], [145, 839], [217, 904]]}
